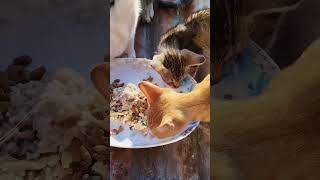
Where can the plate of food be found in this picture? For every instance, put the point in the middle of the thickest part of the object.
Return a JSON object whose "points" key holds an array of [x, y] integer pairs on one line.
{"points": [[128, 105]]}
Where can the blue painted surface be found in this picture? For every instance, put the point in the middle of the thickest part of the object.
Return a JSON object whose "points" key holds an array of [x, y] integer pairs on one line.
{"points": [[248, 75]]}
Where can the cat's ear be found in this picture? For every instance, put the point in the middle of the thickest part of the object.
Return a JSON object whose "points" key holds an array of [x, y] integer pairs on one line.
{"points": [[192, 61], [192, 58], [151, 91]]}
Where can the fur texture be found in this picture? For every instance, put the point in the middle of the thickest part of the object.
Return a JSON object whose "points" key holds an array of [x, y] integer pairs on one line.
{"points": [[193, 35], [169, 112], [173, 65], [124, 16], [275, 135], [147, 10]]}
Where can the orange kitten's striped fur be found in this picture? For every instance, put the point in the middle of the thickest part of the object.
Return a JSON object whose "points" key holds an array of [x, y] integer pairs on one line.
{"points": [[170, 111]]}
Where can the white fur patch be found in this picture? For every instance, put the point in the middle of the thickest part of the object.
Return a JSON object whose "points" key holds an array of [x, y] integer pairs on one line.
{"points": [[124, 16]]}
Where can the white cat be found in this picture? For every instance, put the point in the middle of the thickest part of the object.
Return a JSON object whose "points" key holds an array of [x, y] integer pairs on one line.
{"points": [[124, 16]]}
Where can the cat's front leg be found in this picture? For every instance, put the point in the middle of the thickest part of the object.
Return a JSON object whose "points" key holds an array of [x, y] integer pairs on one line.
{"points": [[148, 12], [130, 49]]}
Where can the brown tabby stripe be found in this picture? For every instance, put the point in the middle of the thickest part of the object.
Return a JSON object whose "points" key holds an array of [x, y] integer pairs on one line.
{"points": [[173, 61]]}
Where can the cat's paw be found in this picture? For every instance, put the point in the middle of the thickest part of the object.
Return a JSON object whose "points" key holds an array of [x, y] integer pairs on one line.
{"points": [[127, 55], [132, 54], [148, 14]]}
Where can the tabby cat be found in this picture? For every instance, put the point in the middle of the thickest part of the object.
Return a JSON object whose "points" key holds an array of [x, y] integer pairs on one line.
{"points": [[231, 32], [183, 41]]}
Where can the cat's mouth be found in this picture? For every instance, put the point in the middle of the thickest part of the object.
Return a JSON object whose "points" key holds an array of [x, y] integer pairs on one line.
{"points": [[173, 85]]}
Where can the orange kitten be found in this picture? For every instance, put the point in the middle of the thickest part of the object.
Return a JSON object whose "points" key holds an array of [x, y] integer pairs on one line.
{"points": [[169, 112]]}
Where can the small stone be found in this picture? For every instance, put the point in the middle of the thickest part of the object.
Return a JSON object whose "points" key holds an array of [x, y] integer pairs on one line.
{"points": [[24, 60], [66, 159], [99, 157], [86, 159], [25, 77], [100, 168], [121, 85], [38, 73], [70, 120], [15, 72], [100, 149]]}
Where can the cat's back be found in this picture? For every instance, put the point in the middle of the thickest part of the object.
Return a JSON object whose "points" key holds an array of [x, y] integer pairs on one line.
{"points": [[200, 22], [125, 11], [199, 19], [193, 34]]}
